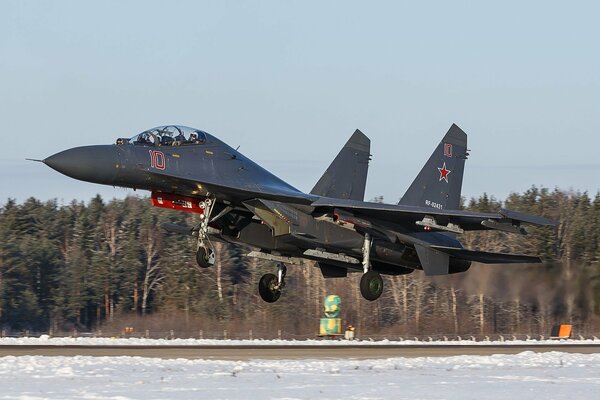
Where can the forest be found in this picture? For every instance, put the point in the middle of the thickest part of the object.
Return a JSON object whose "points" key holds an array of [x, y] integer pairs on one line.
{"points": [[103, 266]]}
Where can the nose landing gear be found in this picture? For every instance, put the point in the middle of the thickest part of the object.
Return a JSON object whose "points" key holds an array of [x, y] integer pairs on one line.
{"points": [[270, 285], [205, 255]]}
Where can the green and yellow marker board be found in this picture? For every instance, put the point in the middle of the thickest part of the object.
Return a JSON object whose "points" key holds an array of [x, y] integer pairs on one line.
{"points": [[332, 306], [332, 325]]}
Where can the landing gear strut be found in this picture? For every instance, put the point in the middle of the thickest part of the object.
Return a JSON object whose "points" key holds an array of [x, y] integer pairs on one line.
{"points": [[371, 283], [205, 255], [270, 285]]}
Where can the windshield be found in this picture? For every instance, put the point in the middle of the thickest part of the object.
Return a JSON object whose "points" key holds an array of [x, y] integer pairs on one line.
{"points": [[169, 135]]}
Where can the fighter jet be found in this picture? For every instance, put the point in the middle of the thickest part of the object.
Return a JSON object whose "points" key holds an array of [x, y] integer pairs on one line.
{"points": [[239, 202]]}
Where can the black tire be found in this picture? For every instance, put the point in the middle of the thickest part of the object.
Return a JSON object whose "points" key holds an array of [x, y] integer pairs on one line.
{"points": [[371, 285], [203, 257], [266, 288]]}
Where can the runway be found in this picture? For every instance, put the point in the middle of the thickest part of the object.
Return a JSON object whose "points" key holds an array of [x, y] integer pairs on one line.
{"points": [[250, 352]]}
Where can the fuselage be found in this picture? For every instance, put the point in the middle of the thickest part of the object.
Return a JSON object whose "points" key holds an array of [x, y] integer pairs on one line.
{"points": [[209, 167]]}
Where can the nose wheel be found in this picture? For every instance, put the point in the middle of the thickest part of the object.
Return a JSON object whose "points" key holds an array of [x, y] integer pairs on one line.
{"points": [[205, 257], [270, 285]]}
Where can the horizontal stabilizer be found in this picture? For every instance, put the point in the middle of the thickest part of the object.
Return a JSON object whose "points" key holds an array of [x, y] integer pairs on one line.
{"points": [[434, 262], [487, 257]]}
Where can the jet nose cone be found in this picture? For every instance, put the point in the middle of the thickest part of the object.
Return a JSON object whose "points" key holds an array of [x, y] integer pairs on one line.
{"points": [[98, 164]]}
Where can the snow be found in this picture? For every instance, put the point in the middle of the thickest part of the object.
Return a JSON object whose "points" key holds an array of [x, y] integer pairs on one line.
{"points": [[106, 341], [527, 375]]}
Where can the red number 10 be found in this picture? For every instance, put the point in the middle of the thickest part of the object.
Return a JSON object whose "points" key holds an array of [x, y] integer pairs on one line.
{"points": [[157, 159]]}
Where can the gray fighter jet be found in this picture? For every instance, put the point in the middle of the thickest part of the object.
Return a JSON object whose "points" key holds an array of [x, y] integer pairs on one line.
{"points": [[240, 202]]}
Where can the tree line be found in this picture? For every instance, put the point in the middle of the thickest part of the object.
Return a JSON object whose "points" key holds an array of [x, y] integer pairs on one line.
{"points": [[109, 264]]}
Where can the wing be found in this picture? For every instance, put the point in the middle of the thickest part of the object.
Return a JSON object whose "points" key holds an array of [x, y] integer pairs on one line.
{"points": [[434, 219]]}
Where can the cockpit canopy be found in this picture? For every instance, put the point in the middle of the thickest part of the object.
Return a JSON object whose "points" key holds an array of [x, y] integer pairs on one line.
{"points": [[167, 135]]}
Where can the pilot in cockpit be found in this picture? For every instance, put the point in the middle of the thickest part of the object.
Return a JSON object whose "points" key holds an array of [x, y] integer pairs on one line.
{"points": [[143, 138], [193, 137], [179, 139]]}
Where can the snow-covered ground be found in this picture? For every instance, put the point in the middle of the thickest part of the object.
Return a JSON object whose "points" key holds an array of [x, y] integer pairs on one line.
{"points": [[527, 375], [100, 341]]}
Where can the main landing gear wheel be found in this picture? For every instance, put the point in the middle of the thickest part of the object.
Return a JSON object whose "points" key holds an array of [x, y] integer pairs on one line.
{"points": [[205, 257], [371, 285], [269, 288], [270, 285]]}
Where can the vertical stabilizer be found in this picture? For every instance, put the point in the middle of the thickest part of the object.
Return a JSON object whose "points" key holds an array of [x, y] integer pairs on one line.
{"points": [[439, 183], [346, 177]]}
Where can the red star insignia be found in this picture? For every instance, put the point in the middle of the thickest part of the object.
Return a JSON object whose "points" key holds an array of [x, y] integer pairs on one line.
{"points": [[444, 173]]}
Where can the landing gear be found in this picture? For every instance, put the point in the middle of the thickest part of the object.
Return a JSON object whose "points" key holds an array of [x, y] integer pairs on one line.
{"points": [[205, 255], [371, 283], [270, 285], [267, 288]]}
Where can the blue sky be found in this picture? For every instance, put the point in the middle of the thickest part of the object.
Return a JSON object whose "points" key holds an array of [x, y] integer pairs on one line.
{"points": [[290, 81]]}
